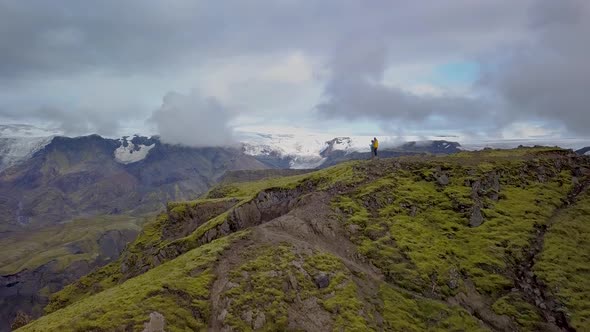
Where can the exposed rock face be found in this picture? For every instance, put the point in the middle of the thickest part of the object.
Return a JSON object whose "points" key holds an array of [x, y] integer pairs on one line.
{"points": [[181, 225], [476, 218], [269, 204], [486, 187]]}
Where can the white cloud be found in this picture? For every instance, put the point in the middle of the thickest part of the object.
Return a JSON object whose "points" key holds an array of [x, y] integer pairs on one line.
{"points": [[294, 68], [193, 120]]}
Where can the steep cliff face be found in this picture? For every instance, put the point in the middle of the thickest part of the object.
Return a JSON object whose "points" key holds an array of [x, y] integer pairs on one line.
{"points": [[492, 240]]}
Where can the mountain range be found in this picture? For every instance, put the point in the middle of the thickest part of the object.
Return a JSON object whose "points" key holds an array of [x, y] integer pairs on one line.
{"points": [[70, 205]]}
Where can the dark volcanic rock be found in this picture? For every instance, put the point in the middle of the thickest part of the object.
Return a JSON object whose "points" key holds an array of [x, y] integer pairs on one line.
{"points": [[476, 218], [322, 280]]}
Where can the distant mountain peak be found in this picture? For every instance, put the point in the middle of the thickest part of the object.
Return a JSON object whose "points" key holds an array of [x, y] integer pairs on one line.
{"points": [[130, 152]]}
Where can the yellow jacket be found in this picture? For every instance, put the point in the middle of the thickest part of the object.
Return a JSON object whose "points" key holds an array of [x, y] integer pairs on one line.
{"points": [[375, 143]]}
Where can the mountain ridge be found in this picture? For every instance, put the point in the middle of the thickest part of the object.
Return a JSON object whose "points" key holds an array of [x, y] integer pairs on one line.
{"points": [[384, 244]]}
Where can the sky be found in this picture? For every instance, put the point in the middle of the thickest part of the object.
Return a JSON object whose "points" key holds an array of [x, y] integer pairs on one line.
{"points": [[196, 72]]}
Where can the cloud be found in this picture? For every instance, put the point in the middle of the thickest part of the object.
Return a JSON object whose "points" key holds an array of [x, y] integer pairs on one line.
{"points": [[295, 68], [193, 120], [71, 122], [41, 39], [547, 77], [109, 62], [356, 90]]}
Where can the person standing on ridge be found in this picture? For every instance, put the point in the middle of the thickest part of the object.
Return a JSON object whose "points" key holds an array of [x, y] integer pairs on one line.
{"points": [[374, 146]]}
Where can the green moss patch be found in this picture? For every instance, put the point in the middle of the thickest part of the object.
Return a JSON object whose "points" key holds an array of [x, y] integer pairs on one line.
{"points": [[274, 278], [416, 230], [404, 312], [564, 263]]}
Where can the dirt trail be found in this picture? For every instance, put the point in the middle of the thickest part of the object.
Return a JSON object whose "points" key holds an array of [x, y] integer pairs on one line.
{"points": [[314, 226], [230, 259]]}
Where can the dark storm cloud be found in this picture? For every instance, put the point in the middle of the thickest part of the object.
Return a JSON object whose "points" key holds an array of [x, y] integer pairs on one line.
{"points": [[355, 90], [549, 77], [61, 37], [543, 76]]}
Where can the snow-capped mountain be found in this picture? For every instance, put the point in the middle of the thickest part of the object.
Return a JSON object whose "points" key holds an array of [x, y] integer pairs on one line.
{"points": [[19, 142], [132, 151], [300, 149], [295, 148], [277, 147]]}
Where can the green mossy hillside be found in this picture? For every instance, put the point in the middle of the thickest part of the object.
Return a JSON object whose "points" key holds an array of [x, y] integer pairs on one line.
{"points": [[413, 223], [178, 289], [31, 249], [138, 256], [417, 230], [564, 264], [274, 281], [417, 244], [152, 246]]}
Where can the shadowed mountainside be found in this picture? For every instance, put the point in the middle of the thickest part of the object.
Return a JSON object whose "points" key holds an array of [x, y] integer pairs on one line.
{"points": [[80, 176]]}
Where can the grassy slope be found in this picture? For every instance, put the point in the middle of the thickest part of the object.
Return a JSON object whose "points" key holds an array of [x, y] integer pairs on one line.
{"points": [[259, 288], [151, 236], [28, 250], [564, 262], [403, 221], [176, 289]]}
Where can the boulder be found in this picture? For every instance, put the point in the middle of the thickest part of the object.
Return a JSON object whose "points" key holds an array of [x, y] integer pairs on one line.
{"points": [[260, 321], [156, 324], [476, 218], [322, 280]]}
